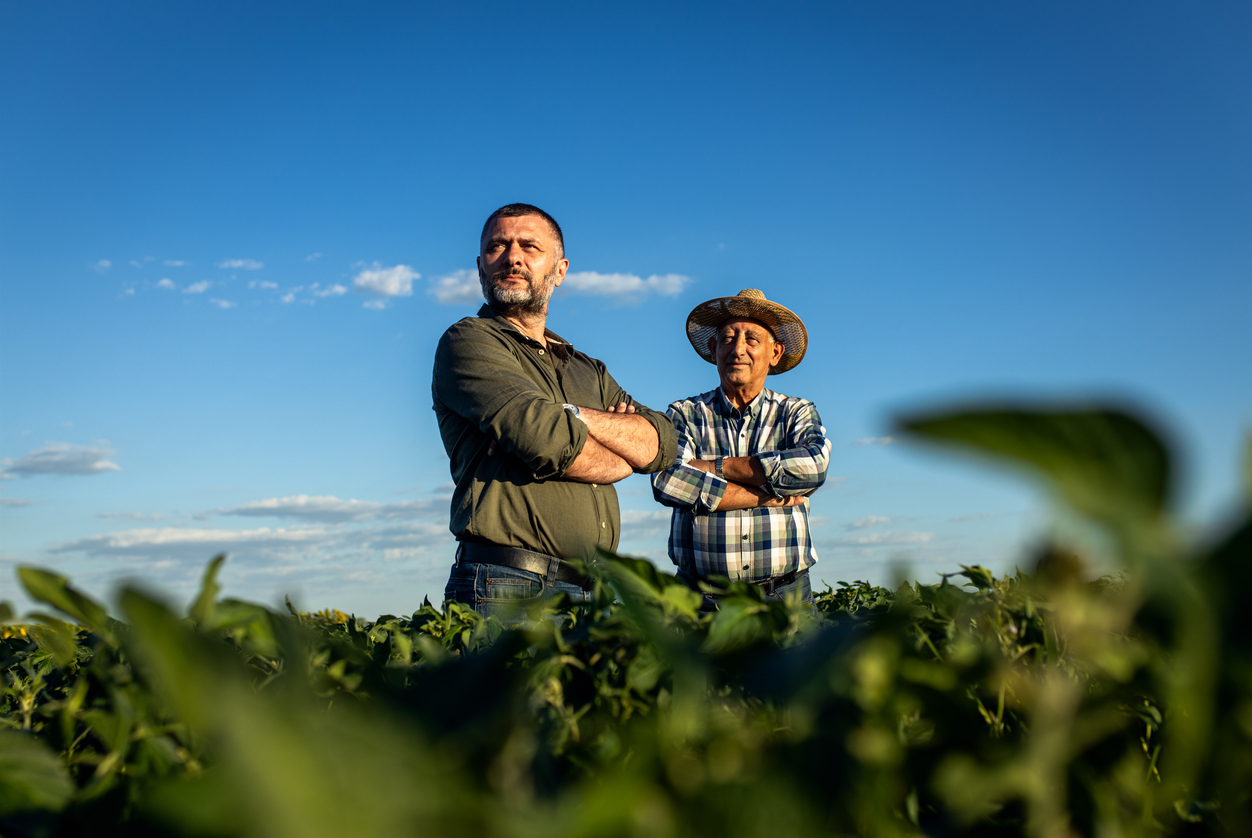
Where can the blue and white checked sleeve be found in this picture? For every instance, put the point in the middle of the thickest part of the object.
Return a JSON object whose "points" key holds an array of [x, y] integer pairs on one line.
{"points": [[682, 486], [800, 467]]}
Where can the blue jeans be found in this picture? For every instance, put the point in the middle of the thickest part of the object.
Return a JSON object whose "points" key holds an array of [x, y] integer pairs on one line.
{"points": [[799, 586], [504, 592]]}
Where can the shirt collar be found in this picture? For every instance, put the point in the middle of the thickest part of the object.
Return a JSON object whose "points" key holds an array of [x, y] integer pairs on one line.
{"points": [[749, 409], [489, 313]]}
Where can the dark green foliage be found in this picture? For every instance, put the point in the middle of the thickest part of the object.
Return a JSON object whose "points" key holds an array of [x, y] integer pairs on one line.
{"points": [[1046, 704]]}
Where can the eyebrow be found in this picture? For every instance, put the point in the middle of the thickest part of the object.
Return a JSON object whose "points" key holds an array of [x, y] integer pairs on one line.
{"points": [[503, 240]]}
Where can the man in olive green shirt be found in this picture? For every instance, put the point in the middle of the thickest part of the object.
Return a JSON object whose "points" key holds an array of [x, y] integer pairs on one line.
{"points": [[536, 431]]}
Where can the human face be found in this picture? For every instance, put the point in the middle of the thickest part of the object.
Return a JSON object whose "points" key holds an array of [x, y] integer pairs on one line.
{"points": [[520, 264], [744, 350]]}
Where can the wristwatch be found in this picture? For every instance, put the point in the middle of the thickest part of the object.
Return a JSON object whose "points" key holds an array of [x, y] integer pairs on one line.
{"points": [[573, 408], [717, 466]]}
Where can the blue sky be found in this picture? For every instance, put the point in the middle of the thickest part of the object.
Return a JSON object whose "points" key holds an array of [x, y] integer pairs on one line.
{"points": [[231, 234]]}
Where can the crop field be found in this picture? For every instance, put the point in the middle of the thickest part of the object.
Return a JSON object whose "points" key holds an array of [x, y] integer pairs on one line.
{"points": [[1048, 703]]}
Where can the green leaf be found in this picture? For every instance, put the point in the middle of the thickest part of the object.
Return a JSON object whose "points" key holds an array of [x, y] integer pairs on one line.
{"points": [[7, 614], [1105, 463], [55, 590], [31, 775], [202, 609]]}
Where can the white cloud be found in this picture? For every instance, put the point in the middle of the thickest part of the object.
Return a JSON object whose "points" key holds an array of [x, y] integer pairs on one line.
{"points": [[332, 510], [242, 264], [130, 516], [289, 297], [13, 503], [165, 283], [270, 285], [192, 543], [101, 266], [312, 257], [879, 539], [457, 288], [875, 441], [868, 522], [198, 287], [60, 458], [175, 263], [223, 303], [332, 291], [377, 305], [386, 282], [135, 263], [624, 285], [129, 292]]}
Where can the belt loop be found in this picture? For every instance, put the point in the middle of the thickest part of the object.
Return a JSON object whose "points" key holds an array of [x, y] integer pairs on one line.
{"points": [[460, 550], [554, 566]]}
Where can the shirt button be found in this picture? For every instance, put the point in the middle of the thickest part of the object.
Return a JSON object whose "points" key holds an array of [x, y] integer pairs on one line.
{"points": [[745, 538], [593, 485], [540, 351], [603, 525]]}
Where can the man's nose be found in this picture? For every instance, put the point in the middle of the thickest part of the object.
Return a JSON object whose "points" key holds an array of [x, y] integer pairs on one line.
{"points": [[514, 254]]}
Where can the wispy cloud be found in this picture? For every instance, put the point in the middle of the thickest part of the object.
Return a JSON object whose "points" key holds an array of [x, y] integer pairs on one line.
{"points": [[13, 503], [223, 303], [332, 510], [131, 516], [198, 287], [878, 539], [242, 264], [332, 291], [135, 263], [101, 265], [166, 283], [175, 263], [868, 522], [386, 283], [624, 285], [312, 257], [457, 288], [60, 458], [262, 284], [289, 297], [872, 441]]}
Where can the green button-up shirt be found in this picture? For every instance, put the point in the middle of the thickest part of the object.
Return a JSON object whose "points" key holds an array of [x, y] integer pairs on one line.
{"points": [[491, 382]]}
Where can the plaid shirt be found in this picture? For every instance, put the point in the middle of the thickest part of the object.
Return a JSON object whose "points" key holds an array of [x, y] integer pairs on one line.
{"points": [[787, 436]]}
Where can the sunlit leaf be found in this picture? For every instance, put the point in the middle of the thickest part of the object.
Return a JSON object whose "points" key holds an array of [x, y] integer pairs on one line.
{"points": [[1105, 463]]}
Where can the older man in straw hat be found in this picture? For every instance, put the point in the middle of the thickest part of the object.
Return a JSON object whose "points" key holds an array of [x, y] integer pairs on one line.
{"points": [[748, 457]]}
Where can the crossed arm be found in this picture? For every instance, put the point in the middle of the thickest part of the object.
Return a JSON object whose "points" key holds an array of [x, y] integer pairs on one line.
{"points": [[743, 475], [781, 478], [618, 443]]}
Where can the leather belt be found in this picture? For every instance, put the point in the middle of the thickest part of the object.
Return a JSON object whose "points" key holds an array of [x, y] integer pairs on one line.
{"points": [[479, 552], [776, 582], [770, 585]]}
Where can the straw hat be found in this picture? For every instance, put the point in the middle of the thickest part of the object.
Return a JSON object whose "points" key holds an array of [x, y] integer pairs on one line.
{"points": [[788, 329]]}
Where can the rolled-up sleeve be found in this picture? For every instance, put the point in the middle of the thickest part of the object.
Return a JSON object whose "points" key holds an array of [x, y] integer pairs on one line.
{"points": [[800, 467], [682, 486], [478, 378], [666, 444]]}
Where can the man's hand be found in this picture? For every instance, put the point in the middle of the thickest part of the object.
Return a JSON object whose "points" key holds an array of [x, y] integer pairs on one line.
{"points": [[621, 407], [622, 431]]}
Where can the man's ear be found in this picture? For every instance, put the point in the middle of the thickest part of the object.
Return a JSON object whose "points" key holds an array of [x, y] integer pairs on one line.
{"points": [[562, 266], [779, 351], [713, 346]]}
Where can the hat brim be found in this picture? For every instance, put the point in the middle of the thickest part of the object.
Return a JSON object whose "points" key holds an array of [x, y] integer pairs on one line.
{"points": [[788, 329]]}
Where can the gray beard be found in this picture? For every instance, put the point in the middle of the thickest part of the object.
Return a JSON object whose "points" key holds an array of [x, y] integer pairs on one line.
{"points": [[517, 300]]}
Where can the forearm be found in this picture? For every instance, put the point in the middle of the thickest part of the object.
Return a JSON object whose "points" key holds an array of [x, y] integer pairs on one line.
{"points": [[739, 496], [631, 437], [746, 470], [597, 464]]}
